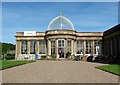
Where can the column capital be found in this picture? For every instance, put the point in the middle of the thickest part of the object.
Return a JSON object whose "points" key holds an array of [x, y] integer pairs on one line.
{"points": [[47, 39], [66, 38], [56, 38], [18, 40]]}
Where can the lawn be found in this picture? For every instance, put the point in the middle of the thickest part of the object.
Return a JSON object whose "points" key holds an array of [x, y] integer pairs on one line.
{"points": [[12, 63], [113, 68]]}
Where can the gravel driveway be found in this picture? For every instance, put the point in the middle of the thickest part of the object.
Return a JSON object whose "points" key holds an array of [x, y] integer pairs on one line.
{"points": [[58, 72]]}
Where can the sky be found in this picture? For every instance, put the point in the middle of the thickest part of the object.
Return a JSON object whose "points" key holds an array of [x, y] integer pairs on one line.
{"points": [[36, 16]]}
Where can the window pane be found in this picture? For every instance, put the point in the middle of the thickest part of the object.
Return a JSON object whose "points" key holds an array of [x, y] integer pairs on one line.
{"points": [[42, 47], [24, 47], [52, 47], [80, 46], [88, 46]]}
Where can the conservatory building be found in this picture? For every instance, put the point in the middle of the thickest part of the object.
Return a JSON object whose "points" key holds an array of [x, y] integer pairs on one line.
{"points": [[60, 38]]}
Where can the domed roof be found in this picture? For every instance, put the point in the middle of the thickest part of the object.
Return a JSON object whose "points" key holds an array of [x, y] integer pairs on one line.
{"points": [[60, 23]]}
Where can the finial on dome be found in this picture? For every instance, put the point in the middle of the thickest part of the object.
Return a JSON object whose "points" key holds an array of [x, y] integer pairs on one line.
{"points": [[60, 13]]}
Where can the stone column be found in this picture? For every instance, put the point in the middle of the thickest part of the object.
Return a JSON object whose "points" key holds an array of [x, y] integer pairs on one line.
{"points": [[66, 47], [93, 47], [75, 47], [72, 50], [84, 47], [28, 47], [48, 47], [66, 50], [56, 48], [84, 57], [18, 48]]}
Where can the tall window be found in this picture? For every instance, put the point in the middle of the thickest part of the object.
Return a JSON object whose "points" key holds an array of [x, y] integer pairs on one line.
{"points": [[42, 47], [24, 47], [52, 46], [32, 46], [88, 46], [80, 46], [97, 46], [69, 45]]}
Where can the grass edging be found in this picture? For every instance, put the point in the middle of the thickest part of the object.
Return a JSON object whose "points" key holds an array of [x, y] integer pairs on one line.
{"points": [[101, 68]]}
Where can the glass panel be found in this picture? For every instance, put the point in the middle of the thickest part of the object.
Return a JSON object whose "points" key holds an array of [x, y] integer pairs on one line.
{"points": [[88, 46], [80, 46], [52, 47], [24, 47], [61, 46], [97, 46], [69, 45], [42, 47], [32, 46]]}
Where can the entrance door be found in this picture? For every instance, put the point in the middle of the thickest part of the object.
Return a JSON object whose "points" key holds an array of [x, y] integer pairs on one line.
{"points": [[61, 48]]}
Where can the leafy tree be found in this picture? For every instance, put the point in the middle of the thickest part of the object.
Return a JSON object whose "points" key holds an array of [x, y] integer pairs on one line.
{"points": [[6, 47]]}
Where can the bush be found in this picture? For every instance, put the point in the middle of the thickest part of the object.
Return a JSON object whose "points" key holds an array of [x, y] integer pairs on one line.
{"points": [[43, 57], [68, 54], [9, 57], [10, 54], [53, 56], [89, 59]]}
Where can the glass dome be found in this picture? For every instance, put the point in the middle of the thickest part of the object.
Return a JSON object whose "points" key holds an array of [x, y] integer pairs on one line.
{"points": [[60, 23]]}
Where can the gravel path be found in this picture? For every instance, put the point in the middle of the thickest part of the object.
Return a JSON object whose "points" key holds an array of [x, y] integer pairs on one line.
{"points": [[58, 72]]}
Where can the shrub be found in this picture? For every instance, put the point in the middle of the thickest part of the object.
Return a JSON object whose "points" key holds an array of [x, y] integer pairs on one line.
{"points": [[10, 54], [68, 54], [89, 59], [53, 56], [9, 57], [43, 57]]}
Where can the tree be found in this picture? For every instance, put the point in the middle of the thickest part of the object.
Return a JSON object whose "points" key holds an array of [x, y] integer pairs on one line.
{"points": [[6, 47]]}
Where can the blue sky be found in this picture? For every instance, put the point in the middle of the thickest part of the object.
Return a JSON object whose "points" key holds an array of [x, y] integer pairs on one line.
{"points": [[35, 16]]}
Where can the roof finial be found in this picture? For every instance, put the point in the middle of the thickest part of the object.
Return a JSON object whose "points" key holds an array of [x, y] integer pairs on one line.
{"points": [[60, 13]]}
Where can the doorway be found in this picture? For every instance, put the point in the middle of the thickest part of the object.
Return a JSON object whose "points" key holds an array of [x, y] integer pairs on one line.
{"points": [[61, 48]]}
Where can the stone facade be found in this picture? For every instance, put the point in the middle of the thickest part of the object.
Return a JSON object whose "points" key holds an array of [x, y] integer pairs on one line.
{"points": [[60, 39], [111, 43], [56, 35]]}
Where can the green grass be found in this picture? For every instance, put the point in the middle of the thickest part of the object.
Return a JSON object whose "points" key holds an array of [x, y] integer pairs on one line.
{"points": [[12, 63], [113, 68]]}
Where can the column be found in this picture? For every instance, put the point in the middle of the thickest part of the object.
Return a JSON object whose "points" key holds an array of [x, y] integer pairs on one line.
{"points": [[37, 47], [56, 48], [28, 47], [18, 48], [48, 47], [75, 47], [84, 47], [66, 50], [93, 47], [72, 50]]}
